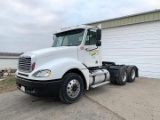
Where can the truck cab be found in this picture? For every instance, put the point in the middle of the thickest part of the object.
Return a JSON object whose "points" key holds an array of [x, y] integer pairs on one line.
{"points": [[72, 64]]}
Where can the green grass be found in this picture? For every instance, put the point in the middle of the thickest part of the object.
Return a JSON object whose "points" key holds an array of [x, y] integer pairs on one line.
{"points": [[8, 84]]}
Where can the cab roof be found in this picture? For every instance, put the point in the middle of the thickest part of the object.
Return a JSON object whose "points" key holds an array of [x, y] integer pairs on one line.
{"points": [[73, 28]]}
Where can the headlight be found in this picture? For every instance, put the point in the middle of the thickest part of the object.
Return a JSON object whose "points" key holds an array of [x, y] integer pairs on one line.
{"points": [[42, 73]]}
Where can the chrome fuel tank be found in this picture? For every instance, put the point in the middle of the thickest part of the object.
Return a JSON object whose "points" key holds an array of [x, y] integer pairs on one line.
{"points": [[98, 76]]}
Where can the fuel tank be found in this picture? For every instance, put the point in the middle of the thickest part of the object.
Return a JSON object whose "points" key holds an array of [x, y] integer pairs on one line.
{"points": [[98, 76]]}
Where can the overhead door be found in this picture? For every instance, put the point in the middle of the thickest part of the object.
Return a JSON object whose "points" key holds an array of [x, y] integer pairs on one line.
{"points": [[137, 44]]}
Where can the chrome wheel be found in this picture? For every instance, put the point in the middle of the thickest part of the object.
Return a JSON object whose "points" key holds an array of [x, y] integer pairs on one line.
{"points": [[133, 73], [73, 88]]}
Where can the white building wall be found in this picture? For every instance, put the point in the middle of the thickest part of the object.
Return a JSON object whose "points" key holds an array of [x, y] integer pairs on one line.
{"points": [[137, 44]]}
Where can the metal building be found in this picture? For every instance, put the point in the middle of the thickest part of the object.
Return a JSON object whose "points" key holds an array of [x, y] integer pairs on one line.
{"points": [[133, 39], [8, 61]]}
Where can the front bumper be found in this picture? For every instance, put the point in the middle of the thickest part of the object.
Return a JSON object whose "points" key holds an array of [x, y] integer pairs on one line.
{"points": [[39, 88]]}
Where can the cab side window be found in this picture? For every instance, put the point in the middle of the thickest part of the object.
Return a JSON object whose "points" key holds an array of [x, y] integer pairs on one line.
{"points": [[91, 38]]}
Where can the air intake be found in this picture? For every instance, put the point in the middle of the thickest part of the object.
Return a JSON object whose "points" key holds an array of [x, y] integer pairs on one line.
{"points": [[25, 64]]}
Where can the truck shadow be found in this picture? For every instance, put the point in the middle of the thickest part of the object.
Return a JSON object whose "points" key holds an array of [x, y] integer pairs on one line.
{"points": [[33, 99], [26, 99], [102, 90]]}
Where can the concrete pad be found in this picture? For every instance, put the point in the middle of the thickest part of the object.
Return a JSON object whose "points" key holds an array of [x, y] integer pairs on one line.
{"points": [[19, 106], [134, 101]]}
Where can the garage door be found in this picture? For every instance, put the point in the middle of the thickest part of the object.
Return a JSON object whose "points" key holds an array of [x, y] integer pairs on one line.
{"points": [[137, 44]]}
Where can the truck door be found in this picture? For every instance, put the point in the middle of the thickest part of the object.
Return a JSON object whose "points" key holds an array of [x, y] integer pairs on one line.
{"points": [[92, 55]]}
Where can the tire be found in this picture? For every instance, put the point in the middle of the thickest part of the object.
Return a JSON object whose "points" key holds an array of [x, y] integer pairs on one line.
{"points": [[131, 73], [72, 88], [122, 78]]}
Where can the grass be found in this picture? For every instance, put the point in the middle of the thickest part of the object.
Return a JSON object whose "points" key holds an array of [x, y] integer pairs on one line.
{"points": [[8, 84]]}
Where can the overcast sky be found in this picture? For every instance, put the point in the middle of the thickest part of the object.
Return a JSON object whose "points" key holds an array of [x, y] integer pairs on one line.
{"points": [[27, 25]]}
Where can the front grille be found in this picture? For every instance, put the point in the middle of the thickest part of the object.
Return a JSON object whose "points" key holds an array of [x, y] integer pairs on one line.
{"points": [[24, 64]]}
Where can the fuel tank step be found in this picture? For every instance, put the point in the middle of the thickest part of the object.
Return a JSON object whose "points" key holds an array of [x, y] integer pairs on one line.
{"points": [[100, 84]]}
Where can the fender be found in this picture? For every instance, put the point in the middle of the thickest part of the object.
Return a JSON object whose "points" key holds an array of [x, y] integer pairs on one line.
{"points": [[60, 66]]}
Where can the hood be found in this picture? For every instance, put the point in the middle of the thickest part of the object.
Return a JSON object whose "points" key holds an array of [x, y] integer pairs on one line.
{"points": [[54, 51]]}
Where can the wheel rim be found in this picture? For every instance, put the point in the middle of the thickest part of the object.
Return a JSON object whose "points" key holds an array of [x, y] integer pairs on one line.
{"points": [[124, 77], [73, 88], [133, 73]]}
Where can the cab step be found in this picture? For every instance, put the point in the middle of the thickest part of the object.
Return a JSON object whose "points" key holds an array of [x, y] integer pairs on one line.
{"points": [[100, 84]]}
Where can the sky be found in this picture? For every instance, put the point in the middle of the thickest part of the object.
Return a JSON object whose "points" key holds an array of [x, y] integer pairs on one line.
{"points": [[27, 25]]}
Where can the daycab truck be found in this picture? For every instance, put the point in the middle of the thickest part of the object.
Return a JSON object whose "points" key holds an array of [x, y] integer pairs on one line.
{"points": [[73, 64]]}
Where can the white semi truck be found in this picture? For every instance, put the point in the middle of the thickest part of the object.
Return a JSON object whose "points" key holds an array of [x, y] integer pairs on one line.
{"points": [[73, 64]]}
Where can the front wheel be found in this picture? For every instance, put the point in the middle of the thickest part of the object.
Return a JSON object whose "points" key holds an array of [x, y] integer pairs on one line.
{"points": [[72, 88]]}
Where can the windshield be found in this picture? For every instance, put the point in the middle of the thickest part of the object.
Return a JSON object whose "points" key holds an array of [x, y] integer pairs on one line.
{"points": [[68, 38]]}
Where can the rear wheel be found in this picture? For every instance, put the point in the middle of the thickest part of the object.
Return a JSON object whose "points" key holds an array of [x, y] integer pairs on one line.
{"points": [[131, 73], [72, 88], [122, 79]]}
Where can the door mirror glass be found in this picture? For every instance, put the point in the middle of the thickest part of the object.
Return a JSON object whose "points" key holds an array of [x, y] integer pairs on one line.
{"points": [[98, 36], [98, 43]]}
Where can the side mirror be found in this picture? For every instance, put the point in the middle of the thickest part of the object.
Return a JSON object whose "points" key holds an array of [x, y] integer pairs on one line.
{"points": [[98, 43], [98, 36]]}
